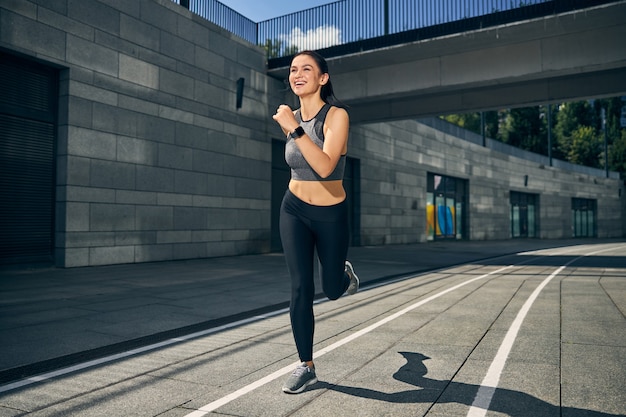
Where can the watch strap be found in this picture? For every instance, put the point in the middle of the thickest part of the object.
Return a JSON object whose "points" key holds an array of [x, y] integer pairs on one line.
{"points": [[298, 132]]}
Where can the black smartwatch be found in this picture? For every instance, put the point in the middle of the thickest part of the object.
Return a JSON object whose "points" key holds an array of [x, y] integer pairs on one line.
{"points": [[299, 132]]}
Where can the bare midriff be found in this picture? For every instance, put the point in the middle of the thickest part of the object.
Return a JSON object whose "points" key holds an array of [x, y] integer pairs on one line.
{"points": [[318, 193]]}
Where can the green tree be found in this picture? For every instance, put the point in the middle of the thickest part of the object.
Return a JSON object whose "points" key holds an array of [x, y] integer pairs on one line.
{"points": [[554, 110], [601, 115], [612, 110], [472, 122], [526, 128], [569, 118], [468, 121], [577, 131], [617, 154], [492, 124], [585, 147], [277, 48]]}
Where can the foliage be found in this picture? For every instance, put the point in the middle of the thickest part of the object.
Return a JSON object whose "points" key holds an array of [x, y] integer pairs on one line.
{"points": [[617, 154], [569, 118], [526, 128], [277, 48], [578, 131], [471, 122], [585, 147]]}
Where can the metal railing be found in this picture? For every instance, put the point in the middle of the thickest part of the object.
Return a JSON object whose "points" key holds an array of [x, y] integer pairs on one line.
{"points": [[323, 26], [224, 17], [349, 21], [347, 26]]}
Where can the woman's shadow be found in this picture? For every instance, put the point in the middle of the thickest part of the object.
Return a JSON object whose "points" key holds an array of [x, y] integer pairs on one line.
{"points": [[510, 402]]}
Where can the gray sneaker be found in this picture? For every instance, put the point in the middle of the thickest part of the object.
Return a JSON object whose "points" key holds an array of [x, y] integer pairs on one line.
{"points": [[300, 378], [354, 280]]}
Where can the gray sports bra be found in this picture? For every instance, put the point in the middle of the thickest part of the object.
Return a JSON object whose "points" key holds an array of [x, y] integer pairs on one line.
{"points": [[300, 168]]}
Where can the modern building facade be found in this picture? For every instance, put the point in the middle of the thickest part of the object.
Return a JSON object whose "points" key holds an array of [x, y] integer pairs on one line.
{"points": [[139, 132]]}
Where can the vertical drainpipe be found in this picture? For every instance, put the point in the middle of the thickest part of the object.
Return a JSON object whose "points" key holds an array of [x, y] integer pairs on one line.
{"points": [[606, 144], [482, 128], [550, 133]]}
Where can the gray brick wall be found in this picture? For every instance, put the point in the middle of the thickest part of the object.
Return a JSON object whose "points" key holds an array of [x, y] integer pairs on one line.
{"points": [[156, 163], [396, 157]]}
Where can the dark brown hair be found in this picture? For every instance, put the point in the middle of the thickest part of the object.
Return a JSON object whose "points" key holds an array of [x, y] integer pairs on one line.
{"points": [[327, 93]]}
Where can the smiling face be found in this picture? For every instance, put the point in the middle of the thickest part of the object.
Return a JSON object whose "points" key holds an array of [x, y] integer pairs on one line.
{"points": [[305, 76]]}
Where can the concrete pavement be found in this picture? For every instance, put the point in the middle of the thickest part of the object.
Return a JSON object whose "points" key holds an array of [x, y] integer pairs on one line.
{"points": [[51, 318]]}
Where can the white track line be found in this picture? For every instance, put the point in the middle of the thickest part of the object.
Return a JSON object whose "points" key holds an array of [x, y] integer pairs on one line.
{"points": [[122, 355], [218, 403], [488, 387], [248, 388]]}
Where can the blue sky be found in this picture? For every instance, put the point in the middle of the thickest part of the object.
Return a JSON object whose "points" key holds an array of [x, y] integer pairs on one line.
{"points": [[259, 10]]}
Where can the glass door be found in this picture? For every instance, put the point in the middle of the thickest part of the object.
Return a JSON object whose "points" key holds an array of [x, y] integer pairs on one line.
{"points": [[523, 208], [583, 217]]}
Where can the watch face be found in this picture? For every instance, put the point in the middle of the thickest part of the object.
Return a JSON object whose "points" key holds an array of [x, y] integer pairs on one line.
{"points": [[297, 133]]}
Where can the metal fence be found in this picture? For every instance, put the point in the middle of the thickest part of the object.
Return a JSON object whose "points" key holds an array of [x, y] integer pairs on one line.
{"points": [[368, 24], [350, 21], [223, 16]]}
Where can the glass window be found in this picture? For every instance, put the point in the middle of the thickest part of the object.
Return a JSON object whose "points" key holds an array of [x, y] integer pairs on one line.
{"points": [[445, 207], [531, 221], [459, 220], [430, 216], [515, 221]]}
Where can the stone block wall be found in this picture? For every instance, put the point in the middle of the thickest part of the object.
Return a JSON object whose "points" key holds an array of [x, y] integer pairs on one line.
{"points": [[397, 156], [155, 162]]}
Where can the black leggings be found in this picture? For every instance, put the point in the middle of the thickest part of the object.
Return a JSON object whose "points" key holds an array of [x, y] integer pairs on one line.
{"points": [[305, 228]]}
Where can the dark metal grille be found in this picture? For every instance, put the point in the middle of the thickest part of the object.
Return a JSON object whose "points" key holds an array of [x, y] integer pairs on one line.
{"points": [[27, 139]]}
